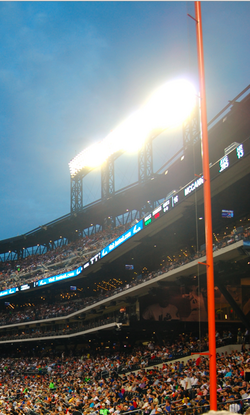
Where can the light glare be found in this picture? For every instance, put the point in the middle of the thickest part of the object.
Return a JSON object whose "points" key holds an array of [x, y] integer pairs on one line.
{"points": [[132, 133], [171, 104], [167, 107]]}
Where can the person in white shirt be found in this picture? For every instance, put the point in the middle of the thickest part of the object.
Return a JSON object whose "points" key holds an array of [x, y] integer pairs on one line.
{"points": [[194, 380]]}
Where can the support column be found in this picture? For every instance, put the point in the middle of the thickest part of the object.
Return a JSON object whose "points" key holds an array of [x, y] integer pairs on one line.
{"points": [[191, 129], [145, 172], [145, 162], [76, 193], [107, 179], [108, 188]]}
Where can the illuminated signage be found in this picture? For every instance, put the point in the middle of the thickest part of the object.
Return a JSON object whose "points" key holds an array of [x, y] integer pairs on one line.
{"points": [[9, 291], [25, 287], [129, 267], [175, 199], [227, 214], [166, 205], [240, 151], [224, 163], [148, 219], [157, 210], [95, 258], [189, 189], [59, 277], [123, 238]]}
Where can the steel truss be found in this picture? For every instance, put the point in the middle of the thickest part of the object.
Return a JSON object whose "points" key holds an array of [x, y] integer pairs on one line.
{"points": [[145, 162], [76, 195], [145, 171], [191, 129], [108, 179]]}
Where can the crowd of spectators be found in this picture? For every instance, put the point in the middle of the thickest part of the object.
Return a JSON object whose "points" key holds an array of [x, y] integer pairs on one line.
{"points": [[59, 260], [68, 257], [37, 312], [97, 384], [59, 330]]}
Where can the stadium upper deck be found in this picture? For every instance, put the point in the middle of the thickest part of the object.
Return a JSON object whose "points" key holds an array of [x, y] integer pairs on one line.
{"points": [[177, 211]]}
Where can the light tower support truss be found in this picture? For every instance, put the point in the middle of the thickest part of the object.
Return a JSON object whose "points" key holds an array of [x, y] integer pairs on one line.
{"points": [[145, 162], [76, 195], [145, 171], [108, 179], [108, 186], [191, 129]]}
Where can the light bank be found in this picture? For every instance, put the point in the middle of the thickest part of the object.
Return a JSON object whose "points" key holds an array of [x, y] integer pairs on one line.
{"points": [[168, 107]]}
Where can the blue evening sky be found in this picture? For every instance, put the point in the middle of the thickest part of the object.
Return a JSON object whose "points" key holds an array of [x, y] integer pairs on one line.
{"points": [[72, 71]]}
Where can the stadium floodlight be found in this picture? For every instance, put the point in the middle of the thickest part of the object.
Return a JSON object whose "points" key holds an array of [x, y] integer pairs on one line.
{"points": [[171, 104], [167, 107], [132, 133]]}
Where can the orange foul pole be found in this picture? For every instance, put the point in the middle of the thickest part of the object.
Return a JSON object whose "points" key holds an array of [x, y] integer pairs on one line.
{"points": [[208, 214]]}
